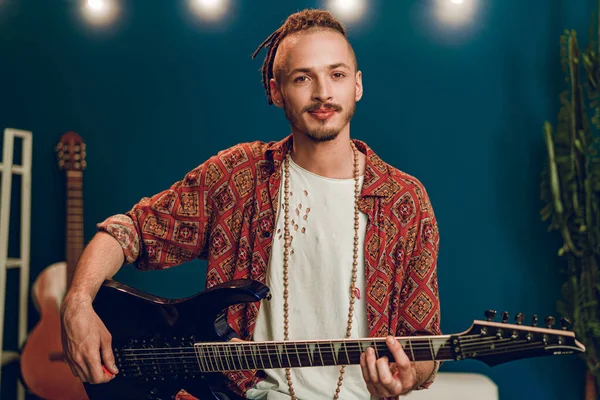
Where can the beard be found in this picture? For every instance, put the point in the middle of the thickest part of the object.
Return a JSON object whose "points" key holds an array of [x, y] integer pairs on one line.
{"points": [[322, 132]]}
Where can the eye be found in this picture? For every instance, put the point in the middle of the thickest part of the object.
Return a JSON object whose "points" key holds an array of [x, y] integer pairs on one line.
{"points": [[338, 75], [301, 78]]}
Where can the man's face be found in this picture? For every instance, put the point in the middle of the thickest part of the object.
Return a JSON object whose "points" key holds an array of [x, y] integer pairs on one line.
{"points": [[317, 84]]}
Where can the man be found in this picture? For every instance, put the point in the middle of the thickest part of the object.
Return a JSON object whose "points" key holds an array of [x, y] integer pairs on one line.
{"points": [[347, 244]]}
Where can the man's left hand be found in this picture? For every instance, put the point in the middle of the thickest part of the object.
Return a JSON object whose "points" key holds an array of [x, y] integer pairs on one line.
{"points": [[385, 378]]}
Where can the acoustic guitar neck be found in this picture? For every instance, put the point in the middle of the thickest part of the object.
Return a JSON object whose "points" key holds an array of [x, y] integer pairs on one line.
{"points": [[71, 159]]}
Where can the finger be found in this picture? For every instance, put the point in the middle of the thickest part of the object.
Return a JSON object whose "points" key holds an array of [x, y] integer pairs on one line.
{"points": [[388, 386], [372, 366], [94, 365], [81, 369], [364, 369], [400, 357], [79, 373], [70, 363], [108, 358]]}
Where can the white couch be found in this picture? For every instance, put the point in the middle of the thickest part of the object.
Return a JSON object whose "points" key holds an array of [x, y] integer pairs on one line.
{"points": [[458, 386]]}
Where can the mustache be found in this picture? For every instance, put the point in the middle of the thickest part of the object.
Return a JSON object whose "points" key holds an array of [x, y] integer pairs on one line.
{"points": [[316, 106]]}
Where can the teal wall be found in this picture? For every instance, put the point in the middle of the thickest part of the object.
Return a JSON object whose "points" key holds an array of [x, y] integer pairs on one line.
{"points": [[461, 109]]}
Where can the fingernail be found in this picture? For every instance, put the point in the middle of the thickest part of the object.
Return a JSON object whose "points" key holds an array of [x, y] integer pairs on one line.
{"points": [[107, 371], [114, 368], [390, 340]]}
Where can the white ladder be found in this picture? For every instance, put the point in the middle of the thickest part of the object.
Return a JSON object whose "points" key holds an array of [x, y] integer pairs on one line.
{"points": [[7, 168]]}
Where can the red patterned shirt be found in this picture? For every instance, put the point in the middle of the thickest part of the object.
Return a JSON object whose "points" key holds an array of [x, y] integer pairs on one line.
{"points": [[224, 211]]}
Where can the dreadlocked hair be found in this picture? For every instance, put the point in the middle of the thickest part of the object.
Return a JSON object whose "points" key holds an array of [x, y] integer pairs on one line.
{"points": [[300, 21]]}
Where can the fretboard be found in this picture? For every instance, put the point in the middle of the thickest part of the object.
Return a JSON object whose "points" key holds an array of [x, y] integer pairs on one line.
{"points": [[264, 355], [74, 231]]}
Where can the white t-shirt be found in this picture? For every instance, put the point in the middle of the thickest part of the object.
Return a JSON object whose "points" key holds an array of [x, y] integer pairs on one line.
{"points": [[321, 217]]}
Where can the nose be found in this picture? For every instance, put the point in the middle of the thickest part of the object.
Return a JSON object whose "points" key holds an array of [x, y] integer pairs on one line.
{"points": [[322, 90]]}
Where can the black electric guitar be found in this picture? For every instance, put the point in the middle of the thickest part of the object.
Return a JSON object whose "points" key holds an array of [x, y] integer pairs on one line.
{"points": [[163, 345]]}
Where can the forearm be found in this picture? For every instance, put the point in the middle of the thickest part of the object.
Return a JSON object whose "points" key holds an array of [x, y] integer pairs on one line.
{"points": [[101, 260]]}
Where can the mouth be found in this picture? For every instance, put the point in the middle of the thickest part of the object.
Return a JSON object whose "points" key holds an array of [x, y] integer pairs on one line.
{"points": [[322, 113]]}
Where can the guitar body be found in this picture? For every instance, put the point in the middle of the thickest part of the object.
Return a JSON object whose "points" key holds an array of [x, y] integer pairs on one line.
{"points": [[51, 380], [153, 325], [47, 378]]}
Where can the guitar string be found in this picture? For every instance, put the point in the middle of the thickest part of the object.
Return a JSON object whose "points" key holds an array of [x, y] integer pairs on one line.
{"points": [[222, 347], [212, 357], [420, 343], [196, 368]]}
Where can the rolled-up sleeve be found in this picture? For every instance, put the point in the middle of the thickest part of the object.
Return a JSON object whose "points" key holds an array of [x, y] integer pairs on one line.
{"points": [[420, 312], [167, 229]]}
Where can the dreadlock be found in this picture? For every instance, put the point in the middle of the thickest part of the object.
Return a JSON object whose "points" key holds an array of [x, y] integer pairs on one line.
{"points": [[300, 21]]}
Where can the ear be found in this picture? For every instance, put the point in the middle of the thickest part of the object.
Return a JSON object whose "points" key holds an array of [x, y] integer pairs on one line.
{"points": [[276, 93], [359, 86]]}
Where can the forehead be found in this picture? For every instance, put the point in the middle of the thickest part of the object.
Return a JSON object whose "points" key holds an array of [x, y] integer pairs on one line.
{"points": [[313, 49]]}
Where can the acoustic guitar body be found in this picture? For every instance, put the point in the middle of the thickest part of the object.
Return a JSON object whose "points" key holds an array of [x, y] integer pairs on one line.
{"points": [[47, 378]]}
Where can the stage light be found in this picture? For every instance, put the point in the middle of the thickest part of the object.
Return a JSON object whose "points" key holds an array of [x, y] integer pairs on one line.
{"points": [[100, 12], [347, 10], [209, 9], [455, 12]]}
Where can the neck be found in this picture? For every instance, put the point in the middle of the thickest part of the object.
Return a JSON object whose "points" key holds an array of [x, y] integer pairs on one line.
{"points": [[331, 159]]}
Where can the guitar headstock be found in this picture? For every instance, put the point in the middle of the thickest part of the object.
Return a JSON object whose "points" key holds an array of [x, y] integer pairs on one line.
{"points": [[498, 342], [71, 152]]}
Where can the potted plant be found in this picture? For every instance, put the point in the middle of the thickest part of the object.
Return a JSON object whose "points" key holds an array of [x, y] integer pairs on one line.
{"points": [[571, 190]]}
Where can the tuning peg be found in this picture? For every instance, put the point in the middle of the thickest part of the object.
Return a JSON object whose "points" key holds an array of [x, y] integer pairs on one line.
{"points": [[519, 318], [504, 316], [549, 321], [565, 323], [490, 314], [534, 320]]}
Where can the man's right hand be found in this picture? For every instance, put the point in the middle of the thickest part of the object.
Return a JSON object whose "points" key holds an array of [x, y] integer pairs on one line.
{"points": [[86, 341]]}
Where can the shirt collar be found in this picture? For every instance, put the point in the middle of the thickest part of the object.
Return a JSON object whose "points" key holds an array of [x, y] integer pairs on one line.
{"points": [[377, 181]]}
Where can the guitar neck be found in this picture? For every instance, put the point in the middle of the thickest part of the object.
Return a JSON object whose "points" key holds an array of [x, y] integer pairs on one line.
{"points": [[312, 353], [74, 231]]}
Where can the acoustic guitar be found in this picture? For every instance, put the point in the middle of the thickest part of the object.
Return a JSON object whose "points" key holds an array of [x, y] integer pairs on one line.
{"points": [[163, 345], [43, 374]]}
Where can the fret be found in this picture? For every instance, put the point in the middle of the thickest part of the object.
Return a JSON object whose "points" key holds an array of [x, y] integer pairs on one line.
{"points": [[218, 356], [310, 350], [269, 356], [213, 365], [229, 356], [253, 352], [431, 348], [285, 347], [278, 350], [346, 351], [200, 358], [244, 354], [376, 349], [320, 354], [333, 353], [297, 355], [410, 344]]}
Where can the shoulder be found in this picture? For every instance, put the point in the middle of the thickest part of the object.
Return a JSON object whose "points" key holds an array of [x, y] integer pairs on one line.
{"points": [[242, 159], [409, 185]]}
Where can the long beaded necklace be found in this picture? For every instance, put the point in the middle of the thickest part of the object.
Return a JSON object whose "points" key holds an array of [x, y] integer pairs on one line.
{"points": [[286, 254]]}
